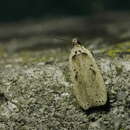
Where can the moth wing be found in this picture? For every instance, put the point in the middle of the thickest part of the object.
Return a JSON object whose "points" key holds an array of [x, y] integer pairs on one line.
{"points": [[98, 91], [79, 75], [89, 87]]}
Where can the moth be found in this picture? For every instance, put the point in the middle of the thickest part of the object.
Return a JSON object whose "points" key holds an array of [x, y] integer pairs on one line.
{"points": [[89, 87]]}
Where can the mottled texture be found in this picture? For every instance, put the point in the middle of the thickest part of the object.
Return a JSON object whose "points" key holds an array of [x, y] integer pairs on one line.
{"points": [[39, 96], [88, 88]]}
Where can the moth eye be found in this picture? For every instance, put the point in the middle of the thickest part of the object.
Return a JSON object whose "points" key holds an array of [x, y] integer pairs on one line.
{"points": [[75, 52], [79, 51]]}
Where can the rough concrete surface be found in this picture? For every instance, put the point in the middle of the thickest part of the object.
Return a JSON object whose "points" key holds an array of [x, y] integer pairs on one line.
{"points": [[38, 96], [35, 85]]}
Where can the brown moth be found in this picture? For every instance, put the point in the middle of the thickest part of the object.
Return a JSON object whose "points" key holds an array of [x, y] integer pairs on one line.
{"points": [[89, 88]]}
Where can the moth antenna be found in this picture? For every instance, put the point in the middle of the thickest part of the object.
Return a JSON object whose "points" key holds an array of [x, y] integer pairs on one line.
{"points": [[62, 39]]}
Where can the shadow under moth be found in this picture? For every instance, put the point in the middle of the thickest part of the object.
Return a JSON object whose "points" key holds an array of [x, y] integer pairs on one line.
{"points": [[89, 88]]}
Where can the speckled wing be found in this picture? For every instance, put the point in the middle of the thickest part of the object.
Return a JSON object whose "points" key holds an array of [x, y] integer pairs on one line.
{"points": [[89, 87]]}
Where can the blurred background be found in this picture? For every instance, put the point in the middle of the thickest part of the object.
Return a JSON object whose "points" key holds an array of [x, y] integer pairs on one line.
{"points": [[15, 10], [41, 24]]}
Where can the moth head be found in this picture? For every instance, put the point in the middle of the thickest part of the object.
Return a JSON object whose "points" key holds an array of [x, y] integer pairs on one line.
{"points": [[75, 42]]}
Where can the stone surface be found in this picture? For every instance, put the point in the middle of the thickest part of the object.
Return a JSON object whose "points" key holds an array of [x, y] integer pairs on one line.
{"points": [[38, 96], [35, 86]]}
